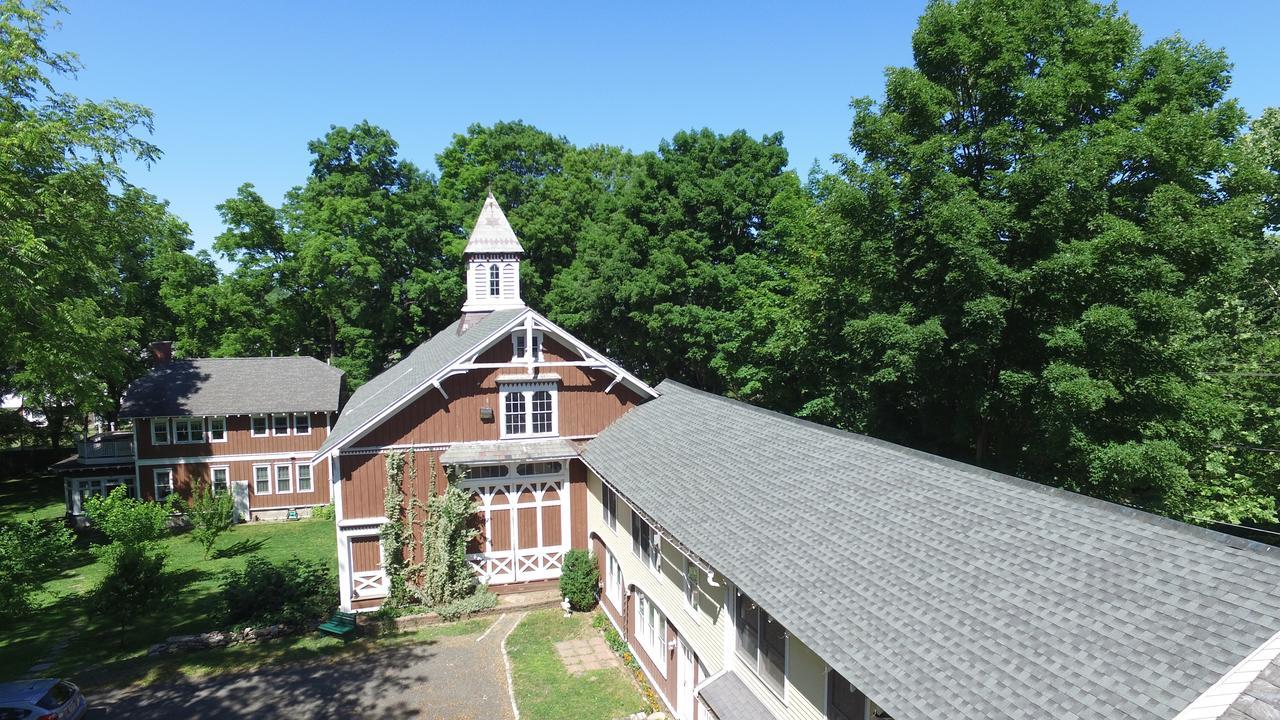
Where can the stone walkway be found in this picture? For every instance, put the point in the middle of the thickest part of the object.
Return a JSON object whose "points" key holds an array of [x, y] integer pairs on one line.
{"points": [[586, 654]]}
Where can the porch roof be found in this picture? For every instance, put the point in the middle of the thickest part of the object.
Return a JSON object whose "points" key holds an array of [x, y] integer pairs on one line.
{"points": [[729, 698], [504, 451], [939, 589]]}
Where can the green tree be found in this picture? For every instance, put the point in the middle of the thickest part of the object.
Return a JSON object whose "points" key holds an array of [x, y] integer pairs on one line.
{"points": [[1022, 262], [30, 552], [129, 521], [580, 579], [210, 515]]}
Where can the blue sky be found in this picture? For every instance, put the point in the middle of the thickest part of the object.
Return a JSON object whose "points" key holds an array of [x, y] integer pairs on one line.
{"points": [[239, 88]]}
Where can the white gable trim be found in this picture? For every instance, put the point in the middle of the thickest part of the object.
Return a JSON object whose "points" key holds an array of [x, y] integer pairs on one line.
{"points": [[1215, 701], [457, 366]]}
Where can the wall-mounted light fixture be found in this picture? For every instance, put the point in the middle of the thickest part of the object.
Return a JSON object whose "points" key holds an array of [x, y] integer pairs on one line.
{"points": [[486, 414]]}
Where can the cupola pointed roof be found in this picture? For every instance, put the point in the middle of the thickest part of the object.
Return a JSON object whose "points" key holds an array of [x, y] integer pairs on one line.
{"points": [[492, 233]]}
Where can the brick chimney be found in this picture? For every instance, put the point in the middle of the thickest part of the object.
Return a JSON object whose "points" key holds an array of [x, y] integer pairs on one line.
{"points": [[161, 352]]}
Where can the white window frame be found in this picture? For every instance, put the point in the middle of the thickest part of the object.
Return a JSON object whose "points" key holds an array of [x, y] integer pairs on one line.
{"points": [[613, 579], [609, 506], [296, 431], [495, 276], [275, 476], [193, 437], [168, 431], [255, 480], [266, 425], [288, 424], [297, 478], [651, 634], [689, 587], [762, 620], [219, 420], [213, 478], [517, 345], [528, 390], [155, 479], [652, 558]]}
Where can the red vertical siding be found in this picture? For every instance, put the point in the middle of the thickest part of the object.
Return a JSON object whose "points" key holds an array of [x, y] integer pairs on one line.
{"points": [[240, 441]]}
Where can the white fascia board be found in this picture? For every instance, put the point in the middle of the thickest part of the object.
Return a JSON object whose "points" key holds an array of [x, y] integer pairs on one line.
{"points": [[586, 350]]}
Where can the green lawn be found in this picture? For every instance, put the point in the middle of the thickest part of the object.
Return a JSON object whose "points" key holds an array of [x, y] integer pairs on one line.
{"points": [[31, 498], [545, 691], [60, 608]]}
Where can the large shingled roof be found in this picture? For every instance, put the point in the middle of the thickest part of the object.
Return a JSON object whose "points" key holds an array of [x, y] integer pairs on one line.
{"points": [[234, 386], [396, 382], [940, 589]]}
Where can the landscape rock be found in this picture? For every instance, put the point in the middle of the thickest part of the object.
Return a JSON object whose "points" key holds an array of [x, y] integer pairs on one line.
{"points": [[218, 638]]}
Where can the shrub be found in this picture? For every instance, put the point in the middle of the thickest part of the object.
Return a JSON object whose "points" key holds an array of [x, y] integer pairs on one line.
{"points": [[579, 579], [135, 583], [295, 592], [481, 600], [129, 521], [29, 552], [210, 516], [324, 512]]}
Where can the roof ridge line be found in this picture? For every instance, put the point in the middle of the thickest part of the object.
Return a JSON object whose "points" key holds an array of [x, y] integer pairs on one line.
{"points": [[1139, 514]]}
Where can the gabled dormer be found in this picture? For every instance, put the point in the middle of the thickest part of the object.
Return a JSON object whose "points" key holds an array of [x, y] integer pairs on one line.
{"points": [[492, 256]]}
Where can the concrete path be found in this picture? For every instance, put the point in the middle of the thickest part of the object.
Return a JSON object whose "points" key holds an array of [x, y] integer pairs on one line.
{"points": [[453, 678]]}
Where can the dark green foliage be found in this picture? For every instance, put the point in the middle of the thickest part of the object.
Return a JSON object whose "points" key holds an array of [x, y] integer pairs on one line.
{"points": [[134, 587], [479, 600], [579, 580], [445, 575], [30, 552], [295, 593]]}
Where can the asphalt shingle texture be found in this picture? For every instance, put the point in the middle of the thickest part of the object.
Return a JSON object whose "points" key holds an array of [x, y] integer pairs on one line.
{"points": [[729, 698], [234, 386], [1261, 699], [397, 381], [939, 589]]}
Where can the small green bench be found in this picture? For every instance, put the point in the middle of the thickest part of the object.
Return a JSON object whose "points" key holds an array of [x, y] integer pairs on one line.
{"points": [[342, 624]]}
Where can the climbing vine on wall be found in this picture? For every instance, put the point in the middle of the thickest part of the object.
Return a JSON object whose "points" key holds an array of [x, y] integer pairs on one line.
{"points": [[397, 532]]}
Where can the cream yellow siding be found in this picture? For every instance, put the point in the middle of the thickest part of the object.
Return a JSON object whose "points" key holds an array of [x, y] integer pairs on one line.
{"points": [[709, 630]]}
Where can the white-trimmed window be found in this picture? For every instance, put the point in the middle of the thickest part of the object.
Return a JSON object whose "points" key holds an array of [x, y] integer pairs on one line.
{"points": [[280, 424], [219, 480], [160, 431], [651, 631], [261, 479], [482, 472], [539, 468], [284, 479], [846, 702], [612, 579], [164, 483], [217, 429], [528, 410], [304, 477], [495, 281], [188, 430], [609, 505], [761, 643], [644, 541], [518, 341], [689, 585], [258, 426], [301, 424]]}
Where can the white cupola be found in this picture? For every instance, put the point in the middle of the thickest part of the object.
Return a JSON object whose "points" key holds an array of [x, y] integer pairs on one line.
{"points": [[492, 256]]}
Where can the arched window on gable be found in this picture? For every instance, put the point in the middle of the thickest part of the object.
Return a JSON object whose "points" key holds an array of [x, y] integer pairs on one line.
{"points": [[495, 282]]}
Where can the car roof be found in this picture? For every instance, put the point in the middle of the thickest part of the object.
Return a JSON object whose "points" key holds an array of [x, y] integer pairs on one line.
{"points": [[25, 690]]}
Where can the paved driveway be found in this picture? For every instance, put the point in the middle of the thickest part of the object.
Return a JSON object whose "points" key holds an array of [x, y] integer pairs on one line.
{"points": [[453, 678]]}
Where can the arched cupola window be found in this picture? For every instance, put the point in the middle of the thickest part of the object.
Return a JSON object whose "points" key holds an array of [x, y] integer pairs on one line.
{"points": [[495, 281]]}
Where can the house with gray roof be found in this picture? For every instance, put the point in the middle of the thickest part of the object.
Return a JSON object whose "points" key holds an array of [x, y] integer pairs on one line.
{"points": [[244, 426]]}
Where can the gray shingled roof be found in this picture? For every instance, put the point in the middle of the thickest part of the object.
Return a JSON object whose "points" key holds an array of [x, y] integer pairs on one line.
{"points": [[234, 386], [939, 589], [1261, 699], [729, 698], [393, 384], [505, 451]]}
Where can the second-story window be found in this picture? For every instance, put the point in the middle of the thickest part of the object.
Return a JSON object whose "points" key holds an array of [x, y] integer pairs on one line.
{"points": [[846, 702], [761, 643], [518, 345], [159, 431], [690, 588], [188, 430], [279, 424], [217, 429], [302, 424], [528, 410], [644, 541], [258, 425], [609, 505]]}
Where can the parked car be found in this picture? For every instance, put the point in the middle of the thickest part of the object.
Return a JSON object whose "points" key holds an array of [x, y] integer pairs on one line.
{"points": [[44, 699]]}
